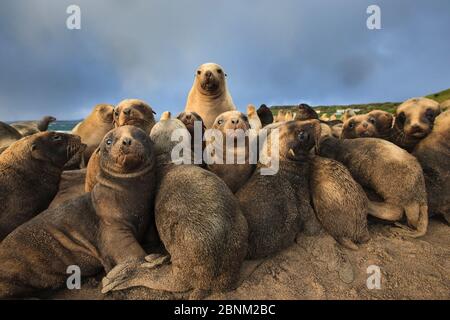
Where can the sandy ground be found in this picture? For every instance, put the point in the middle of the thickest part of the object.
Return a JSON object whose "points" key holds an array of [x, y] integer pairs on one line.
{"points": [[318, 268]]}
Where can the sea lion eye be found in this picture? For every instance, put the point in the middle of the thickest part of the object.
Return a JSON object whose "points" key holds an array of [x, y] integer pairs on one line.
{"points": [[429, 114], [220, 122], [199, 72], [372, 120], [57, 138], [351, 125], [219, 71], [109, 141], [401, 118], [116, 113]]}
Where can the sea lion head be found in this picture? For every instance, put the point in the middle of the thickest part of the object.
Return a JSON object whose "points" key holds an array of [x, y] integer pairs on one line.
{"points": [[445, 105], [383, 120], [54, 147], [442, 124], [348, 113], [360, 126], [297, 138], [189, 118], [161, 135], [104, 112], [231, 122], [288, 116], [251, 111], [134, 112], [415, 117], [281, 115], [126, 150], [265, 115], [305, 112], [210, 79]]}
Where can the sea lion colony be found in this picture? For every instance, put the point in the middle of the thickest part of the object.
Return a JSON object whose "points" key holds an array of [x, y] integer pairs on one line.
{"points": [[145, 221]]}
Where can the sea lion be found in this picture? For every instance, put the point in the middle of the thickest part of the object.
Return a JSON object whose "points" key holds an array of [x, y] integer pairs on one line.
{"points": [[253, 118], [95, 231], [265, 115], [391, 172], [209, 95], [278, 206], [281, 116], [413, 121], [348, 113], [305, 112], [132, 112], [324, 117], [8, 135], [333, 117], [445, 105], [339, 202], [93, 129], [200, 224], [71, 186], [360, 126], [433, 153], [189, 119], [27, 128], [30, 171], [233, 126], [136, 113], [288, 116]]}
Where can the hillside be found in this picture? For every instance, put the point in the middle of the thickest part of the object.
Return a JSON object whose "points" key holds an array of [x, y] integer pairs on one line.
{"points": [[366, 107]]}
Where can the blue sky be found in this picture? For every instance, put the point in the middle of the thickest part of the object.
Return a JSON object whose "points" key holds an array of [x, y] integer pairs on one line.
{"points": [[275, 52]]}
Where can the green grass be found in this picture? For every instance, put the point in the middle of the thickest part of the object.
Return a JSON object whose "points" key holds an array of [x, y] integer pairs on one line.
{"points": [[366, 107]]}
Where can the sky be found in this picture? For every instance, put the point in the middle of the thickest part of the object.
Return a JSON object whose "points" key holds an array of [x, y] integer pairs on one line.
{"points": [[275, 52]]}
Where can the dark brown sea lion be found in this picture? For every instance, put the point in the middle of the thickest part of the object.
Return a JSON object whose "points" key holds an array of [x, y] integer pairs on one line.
{"points": [[305, 112], [339, 202], [136, 113], [30, 171], [391, 172], [265, 115], [414, 120], [278, 206], [233, 125], [433, 153], [8, 135], [93, 232], [71, 186], [200, 224], [27, 128], [209, 95], [93, 129]]}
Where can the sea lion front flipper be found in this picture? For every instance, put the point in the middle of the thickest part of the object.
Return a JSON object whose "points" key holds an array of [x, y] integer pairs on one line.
{"points": [[347, 243]]}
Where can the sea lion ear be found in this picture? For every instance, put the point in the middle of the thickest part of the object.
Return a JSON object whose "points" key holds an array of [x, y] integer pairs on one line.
{"points": [[153, 111]]}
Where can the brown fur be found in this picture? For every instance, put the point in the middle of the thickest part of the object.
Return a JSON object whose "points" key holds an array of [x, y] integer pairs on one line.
{"points": [[265, 115], [200, 224], [134, 112], [394, 174], [281, 116], [8, 135], [93, 129], [27, 128], [253, 118], [234, 175], [305, 112], [209, 95], [445, 105], [433, 153], [95, 231], [413, 121], [30, 171], [278, 206], [339, 202], [360, 126], [70, 187]]}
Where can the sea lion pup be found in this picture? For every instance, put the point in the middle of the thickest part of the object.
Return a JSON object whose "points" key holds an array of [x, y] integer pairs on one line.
{"points": [[445, 105], [413, 121], [234, 126], [265, 115], [93, 129], [277, 206], [324, 117], [339, 202], [8, 135], [288, 116], [209, 95], [360, 126], [253, 118], [132, 112], [200, 224], [348, 113], [333, 117], [281, 116], [95, 231], [30, 171], [189, 119], [27, 128], [136, 113], [433, 153], [305, 112], [391, 172]]}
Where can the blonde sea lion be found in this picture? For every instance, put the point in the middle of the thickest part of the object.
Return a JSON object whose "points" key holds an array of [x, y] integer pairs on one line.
{"points": [[288, 116], [445, 105], [93, 128], [348, 113], [200, 224], [30, 171], [95, 231], [27, 128], [281, 116], [253, 118], [414, 120], [391, 172], [433, 153], [209, 95], [233, 125]]}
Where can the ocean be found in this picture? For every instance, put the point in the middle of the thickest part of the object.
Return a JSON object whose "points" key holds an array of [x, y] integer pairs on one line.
{"points": [[65, 126]]}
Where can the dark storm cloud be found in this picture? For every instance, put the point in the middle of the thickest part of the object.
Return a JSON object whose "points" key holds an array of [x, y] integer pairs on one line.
{"points": [[279, 52]]}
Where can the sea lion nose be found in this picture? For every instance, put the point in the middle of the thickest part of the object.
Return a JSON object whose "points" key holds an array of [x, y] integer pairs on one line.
{"points": [[415, 127], [235, 121], [126, 141], [208, 74], [303, 136], [127, 111], [365, 125]]}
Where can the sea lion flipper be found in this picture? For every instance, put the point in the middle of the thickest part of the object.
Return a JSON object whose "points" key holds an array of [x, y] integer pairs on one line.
{"points": [[347, 243]]}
